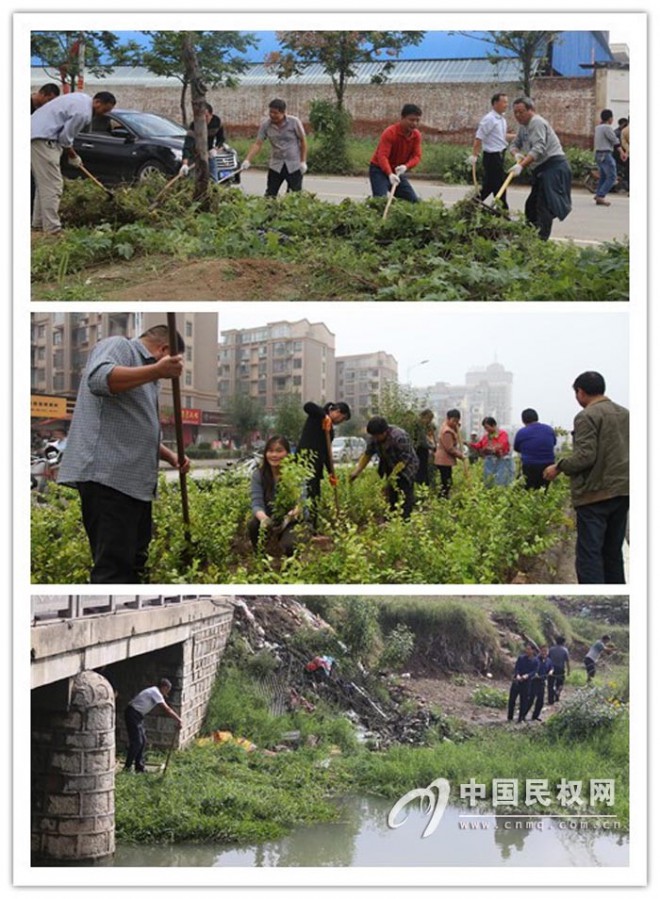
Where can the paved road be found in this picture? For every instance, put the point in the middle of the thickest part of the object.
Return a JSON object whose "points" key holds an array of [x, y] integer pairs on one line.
{"points": [[586, 225]]}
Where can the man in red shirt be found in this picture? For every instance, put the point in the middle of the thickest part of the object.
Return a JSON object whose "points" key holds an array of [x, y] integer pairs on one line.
{"points": [[399, 150]]}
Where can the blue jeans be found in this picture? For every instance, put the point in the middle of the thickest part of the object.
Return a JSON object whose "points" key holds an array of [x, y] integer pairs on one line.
{"points": [[380, 185], [601, 530], [606, 172]]}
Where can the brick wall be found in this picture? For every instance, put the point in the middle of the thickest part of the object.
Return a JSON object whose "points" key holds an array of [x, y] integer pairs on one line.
{"points": [[201, 658], [451, 112]]}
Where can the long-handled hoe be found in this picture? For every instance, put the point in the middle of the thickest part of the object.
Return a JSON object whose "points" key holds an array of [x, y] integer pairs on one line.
{"points": [[181, 455]]}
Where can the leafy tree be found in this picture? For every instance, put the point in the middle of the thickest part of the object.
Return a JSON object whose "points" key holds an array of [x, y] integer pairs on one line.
{"points": [[527, 46], [219, 57], [400, 405], [289, 417], [339, 53], [71, 53], [246, 416]]}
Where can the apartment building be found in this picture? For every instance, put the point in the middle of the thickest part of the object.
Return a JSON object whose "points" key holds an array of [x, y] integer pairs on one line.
{"points": [[275, 360], [362, 377], [61, 343]]}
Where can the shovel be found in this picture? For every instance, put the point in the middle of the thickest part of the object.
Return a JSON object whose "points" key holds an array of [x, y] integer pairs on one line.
{"points": [[96, 181], [164, 190], [178, 424], [227, 176], [498, 196]]}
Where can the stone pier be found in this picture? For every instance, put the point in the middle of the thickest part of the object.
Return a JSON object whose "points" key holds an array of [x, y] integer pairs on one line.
{"points": [[73, 770]]}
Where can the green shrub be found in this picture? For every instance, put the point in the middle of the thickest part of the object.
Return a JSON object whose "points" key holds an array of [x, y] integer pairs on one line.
{"points": [[491, 697], [398, 646], [587, 711], [328, 150]]}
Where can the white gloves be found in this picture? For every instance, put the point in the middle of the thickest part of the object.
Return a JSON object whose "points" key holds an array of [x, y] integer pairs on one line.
{"points": [[75, 161], [303, 168], [395, 180], [245, 165], [519, 157], [400, 169], [183, 171], [471, 160], [516, 170]]}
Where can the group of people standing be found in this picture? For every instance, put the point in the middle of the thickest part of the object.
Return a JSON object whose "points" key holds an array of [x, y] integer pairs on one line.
{"points": [[539, 675], [535, 442]]}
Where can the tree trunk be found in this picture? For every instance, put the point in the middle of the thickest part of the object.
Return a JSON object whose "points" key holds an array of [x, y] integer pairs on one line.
{"points": [[198, 96]]}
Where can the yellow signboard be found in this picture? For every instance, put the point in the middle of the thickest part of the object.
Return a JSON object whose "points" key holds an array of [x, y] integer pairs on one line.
{"points": [[48, 406]]}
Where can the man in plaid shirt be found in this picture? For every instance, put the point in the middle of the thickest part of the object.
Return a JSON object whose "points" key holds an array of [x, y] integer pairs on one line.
{"points": [[397, 461], [114, 447]]}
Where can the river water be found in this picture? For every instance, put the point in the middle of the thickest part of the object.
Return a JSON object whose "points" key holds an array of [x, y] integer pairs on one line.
{"points": [[362, 837]]}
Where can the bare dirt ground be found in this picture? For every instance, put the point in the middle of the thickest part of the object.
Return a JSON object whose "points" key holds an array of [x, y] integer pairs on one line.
{"points": [[204, 279], [454, 697]]}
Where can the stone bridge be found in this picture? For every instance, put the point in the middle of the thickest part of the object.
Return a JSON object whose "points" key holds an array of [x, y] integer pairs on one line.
{"points": [[89, 656]]}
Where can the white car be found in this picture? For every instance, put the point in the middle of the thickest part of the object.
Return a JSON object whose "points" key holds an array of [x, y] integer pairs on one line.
{"points": [[348, 449]]}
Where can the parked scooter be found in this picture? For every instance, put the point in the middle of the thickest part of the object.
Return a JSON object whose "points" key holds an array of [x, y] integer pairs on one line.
{"points": [[44, 467]]}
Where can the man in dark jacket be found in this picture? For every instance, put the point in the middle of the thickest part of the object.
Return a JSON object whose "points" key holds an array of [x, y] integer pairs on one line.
{"points": [[537, 684], [397, 461], [525, 668], [316, 438], [538, 149], [599, 471]]}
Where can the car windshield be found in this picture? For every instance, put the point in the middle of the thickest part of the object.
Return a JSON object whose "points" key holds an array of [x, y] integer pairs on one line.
{"points": [[148, 125]]}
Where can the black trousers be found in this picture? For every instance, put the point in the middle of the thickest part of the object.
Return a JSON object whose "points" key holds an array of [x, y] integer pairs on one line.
{"points": [[423, 475], [494, 176], [537, 696], [119, 532], [601, 530], [519, 692], [590, 667], [555, 685], [445, 479], [137, 739], [533, 475], [405, 488], [537, 212], [276, 180]]}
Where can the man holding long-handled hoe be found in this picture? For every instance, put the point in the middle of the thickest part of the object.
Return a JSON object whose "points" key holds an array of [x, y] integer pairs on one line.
{"points": [[134, 715], [113, 449], [399, 150], [538, 149], [53, 129]]}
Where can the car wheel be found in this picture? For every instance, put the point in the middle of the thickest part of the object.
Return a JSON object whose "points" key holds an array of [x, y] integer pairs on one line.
{"points": [[148, 168]]}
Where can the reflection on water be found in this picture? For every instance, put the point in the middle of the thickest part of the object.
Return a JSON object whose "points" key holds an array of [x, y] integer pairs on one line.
{"points": [[361, 837]]}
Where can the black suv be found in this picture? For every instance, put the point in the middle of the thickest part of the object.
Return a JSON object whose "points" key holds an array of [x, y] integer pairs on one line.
{"points": [[126, 145]]}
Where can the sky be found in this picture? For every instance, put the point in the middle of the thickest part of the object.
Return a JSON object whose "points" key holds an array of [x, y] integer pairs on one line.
{"points": [[545, 350]]}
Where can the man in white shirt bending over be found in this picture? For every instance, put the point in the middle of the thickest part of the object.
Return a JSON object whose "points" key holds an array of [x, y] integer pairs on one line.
{"points": [[138, 707], [492, 136]]}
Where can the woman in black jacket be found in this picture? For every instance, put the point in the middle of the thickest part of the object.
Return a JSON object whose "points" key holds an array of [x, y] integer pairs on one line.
{"points": [[320, 423]]}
